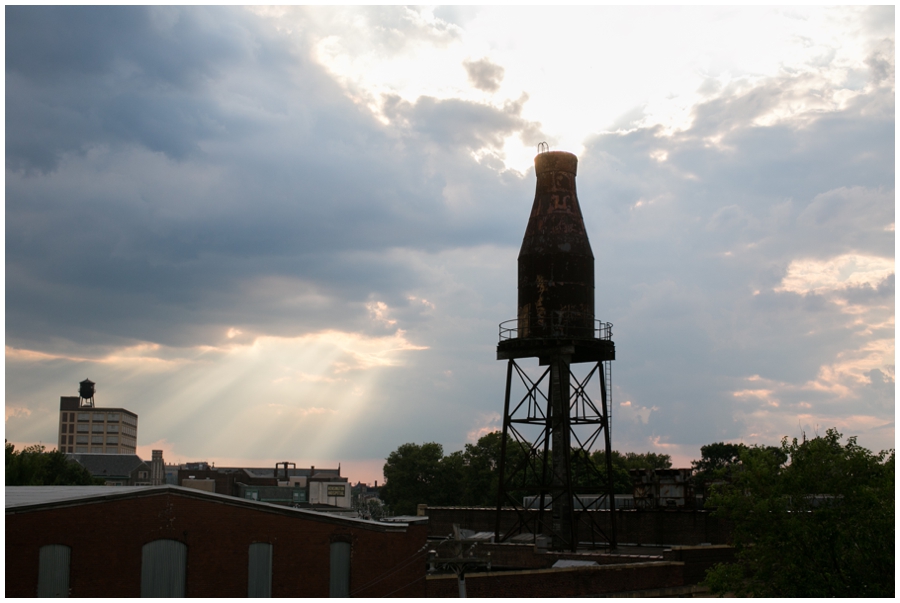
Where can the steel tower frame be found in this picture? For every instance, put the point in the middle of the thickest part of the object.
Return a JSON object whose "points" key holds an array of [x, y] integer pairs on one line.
{"points": [[558, 404]]}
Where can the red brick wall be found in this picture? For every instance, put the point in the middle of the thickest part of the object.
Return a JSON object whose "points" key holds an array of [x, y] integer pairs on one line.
{"points": [[106, 540], [563, 582]]}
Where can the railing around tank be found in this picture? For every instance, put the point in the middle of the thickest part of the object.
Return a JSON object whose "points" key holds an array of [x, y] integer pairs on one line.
{"points": [[563, 325]]}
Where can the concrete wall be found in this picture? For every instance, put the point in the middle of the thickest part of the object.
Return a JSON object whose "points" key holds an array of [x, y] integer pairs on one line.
{"points": [[207, 485], [106, 539], [318, 493]]}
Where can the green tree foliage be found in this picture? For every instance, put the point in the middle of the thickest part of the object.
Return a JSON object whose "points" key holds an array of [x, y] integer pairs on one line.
{"points": [[33, 466], [417, 474], [481, 462], [811, 519], [421, 474], [716, 460]]}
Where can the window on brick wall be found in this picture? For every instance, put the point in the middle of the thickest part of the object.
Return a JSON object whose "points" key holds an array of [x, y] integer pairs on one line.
{"points": [[163, 565], [53, 570], [339, 583], [259, 572]]}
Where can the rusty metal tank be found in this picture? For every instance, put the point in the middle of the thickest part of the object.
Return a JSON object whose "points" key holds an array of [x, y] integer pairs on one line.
{"points": [[556, 264]]}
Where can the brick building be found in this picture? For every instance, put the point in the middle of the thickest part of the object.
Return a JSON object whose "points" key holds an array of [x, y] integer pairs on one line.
{"points": [[166, 540], [319, 489]]}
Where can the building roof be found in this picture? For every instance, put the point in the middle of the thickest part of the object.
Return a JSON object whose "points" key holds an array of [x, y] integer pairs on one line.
{"points": [[20, 496], [270, 472], [74, 403], [24, 499], [109, 465]]}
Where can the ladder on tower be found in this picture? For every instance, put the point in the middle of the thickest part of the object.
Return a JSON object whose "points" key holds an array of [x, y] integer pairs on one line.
{"points": [[607, 378]]}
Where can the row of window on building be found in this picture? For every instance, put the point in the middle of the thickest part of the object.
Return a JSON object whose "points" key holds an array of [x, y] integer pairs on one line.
{"points": [[117, 431], [164, 568], [98, 417]]}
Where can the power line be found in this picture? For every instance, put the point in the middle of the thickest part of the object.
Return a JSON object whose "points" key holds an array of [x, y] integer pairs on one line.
{"points": [[404, 586], [400, 565]]}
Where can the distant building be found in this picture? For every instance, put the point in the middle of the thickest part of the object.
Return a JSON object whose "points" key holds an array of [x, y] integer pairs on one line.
{"points": [[157, 469], [320, 489], [115, 469], [92, 430], [670, 488]]}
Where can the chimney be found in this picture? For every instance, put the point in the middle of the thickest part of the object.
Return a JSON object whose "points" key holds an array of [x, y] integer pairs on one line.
{"points": [[157, 469]]}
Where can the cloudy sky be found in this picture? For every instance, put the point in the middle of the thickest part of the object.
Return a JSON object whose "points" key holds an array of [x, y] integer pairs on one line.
{"points": [[290, 234]]}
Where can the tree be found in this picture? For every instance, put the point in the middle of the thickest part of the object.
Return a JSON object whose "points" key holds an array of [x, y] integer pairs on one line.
{"points": [[417, 474], [374, 508], [716, 463], [482, 461], [813, 518], [717, 458], [32, 466]]}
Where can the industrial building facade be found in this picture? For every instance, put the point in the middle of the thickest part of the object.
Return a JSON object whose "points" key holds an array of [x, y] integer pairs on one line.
{"points": [[87, 429], [172, 541]]}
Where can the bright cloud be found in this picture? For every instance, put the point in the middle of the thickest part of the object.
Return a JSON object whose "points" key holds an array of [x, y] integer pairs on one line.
{"points": [[842, 272], [423, 52]]}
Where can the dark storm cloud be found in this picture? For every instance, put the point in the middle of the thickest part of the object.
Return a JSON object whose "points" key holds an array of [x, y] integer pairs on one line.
{"points": [[144, 193], [78, 76], [484, 75]]}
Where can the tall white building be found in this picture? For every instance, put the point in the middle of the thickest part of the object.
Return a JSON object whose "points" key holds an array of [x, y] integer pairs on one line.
{"points": [[89, 429]]}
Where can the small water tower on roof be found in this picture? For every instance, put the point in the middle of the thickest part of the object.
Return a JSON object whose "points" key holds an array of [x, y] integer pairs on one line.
{"points": [[86, 391]]}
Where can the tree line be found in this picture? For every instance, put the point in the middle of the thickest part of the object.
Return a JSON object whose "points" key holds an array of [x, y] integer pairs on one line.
{"points": [[422, 473], [34, 466]]}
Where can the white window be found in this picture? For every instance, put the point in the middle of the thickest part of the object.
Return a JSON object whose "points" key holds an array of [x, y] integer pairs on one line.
{"points": [[112, 440], [83, 429]]}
